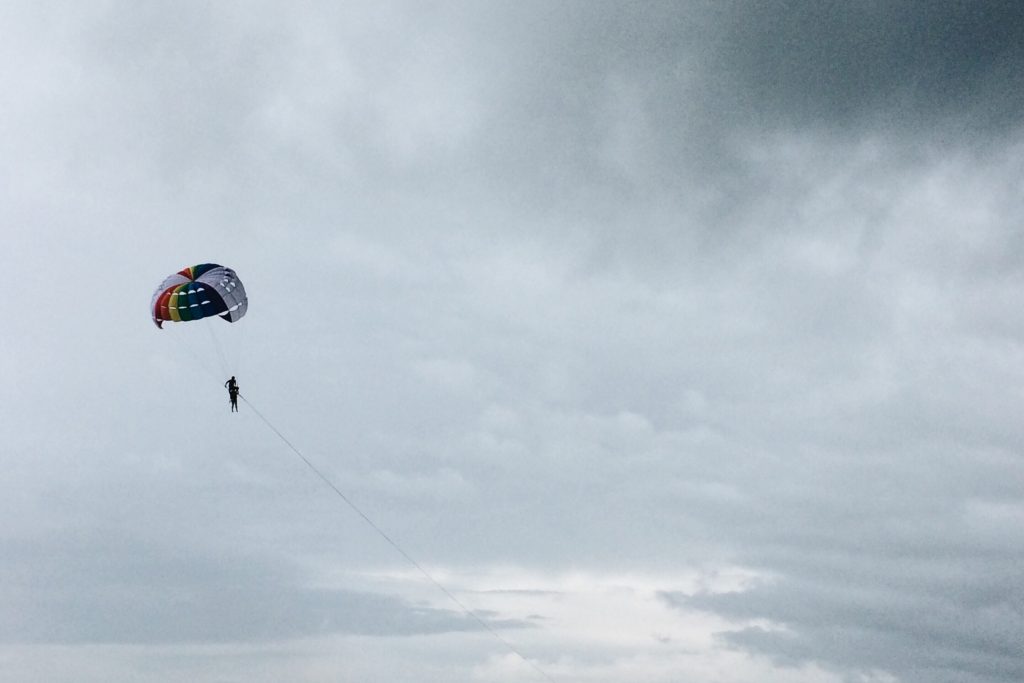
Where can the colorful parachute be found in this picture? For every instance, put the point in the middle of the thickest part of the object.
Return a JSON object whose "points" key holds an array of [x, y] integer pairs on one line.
{"points": [[199, 292]]}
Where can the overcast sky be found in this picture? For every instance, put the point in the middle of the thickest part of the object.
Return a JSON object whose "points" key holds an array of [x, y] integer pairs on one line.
{"points": [[679, 341]]}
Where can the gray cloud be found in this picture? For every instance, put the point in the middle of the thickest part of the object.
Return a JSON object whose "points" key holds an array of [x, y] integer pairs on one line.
{"points": [[129, 591], [578, 286], [919, 619], [896, 65]]}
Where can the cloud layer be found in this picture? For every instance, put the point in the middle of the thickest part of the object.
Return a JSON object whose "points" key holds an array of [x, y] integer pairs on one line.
{"points": [[592, 306]]}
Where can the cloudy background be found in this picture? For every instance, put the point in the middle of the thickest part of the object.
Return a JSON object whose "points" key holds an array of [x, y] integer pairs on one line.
{"points": [[679, 341]]}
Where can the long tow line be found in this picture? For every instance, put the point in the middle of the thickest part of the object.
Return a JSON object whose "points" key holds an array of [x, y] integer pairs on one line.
{"points": [[394, 544]]}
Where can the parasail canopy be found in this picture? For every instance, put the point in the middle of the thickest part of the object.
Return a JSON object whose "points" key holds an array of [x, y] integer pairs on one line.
{"points": [[198, 292]]}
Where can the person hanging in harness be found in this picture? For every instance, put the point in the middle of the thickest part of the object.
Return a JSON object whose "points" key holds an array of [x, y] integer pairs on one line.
{"points": [[232, 386]]}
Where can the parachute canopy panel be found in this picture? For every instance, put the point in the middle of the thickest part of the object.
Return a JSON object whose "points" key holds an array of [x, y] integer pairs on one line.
{"points": [[199, 292]]}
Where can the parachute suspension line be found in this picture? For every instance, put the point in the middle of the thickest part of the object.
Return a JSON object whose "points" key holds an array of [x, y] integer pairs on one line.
{"points": [[239, 353], [216, 344], [200, 361], [401, 551]]}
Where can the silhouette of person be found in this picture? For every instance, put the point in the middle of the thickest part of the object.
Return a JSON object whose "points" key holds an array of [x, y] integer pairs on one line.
{"points": [[232, 386]]}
